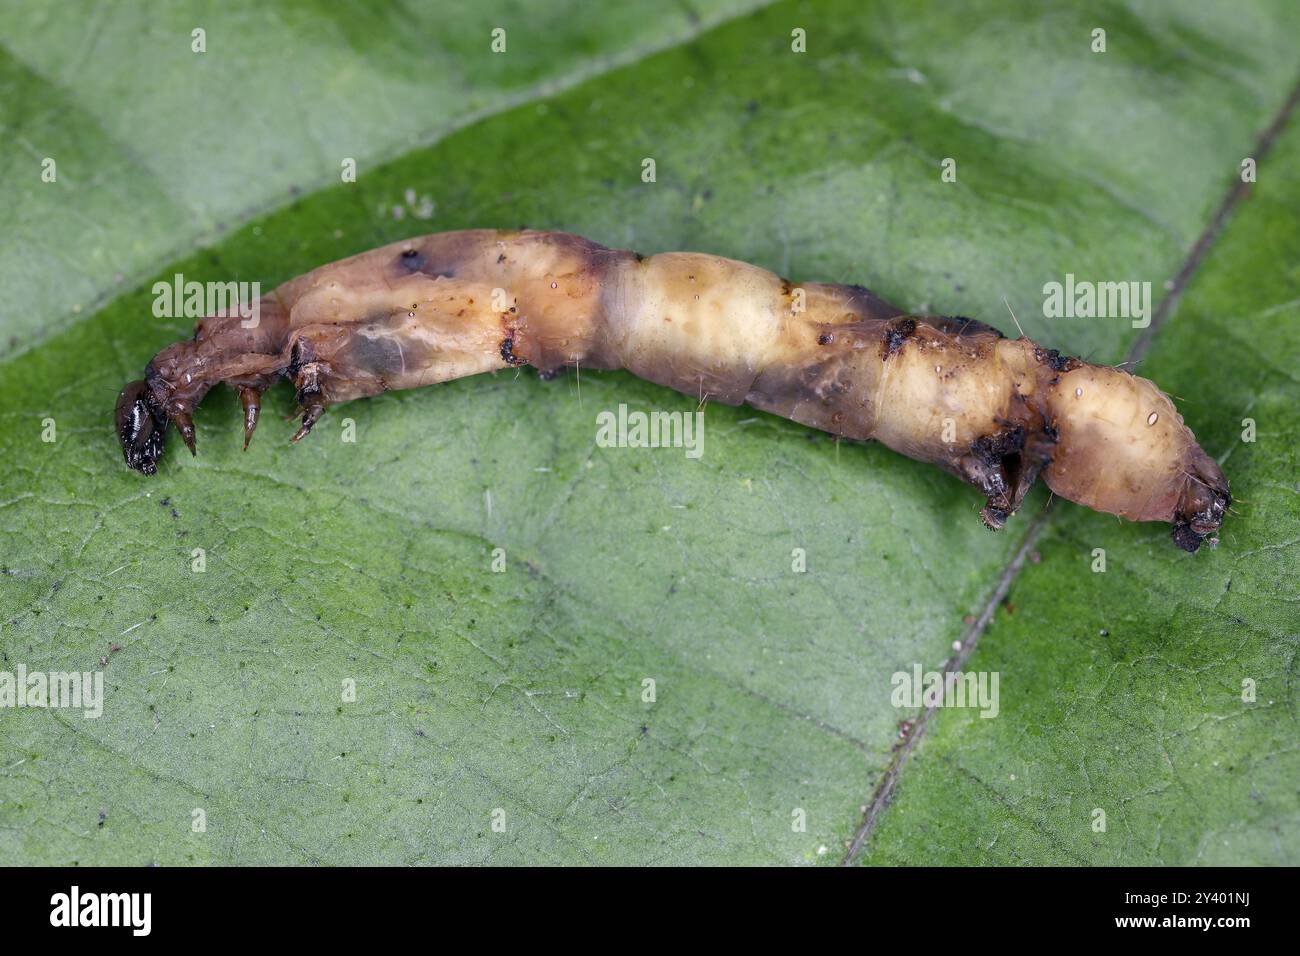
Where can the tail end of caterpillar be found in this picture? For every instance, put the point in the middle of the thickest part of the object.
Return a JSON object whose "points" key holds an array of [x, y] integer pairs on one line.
{"points": [[1204, 501], [1124, 449], [141, 427]]}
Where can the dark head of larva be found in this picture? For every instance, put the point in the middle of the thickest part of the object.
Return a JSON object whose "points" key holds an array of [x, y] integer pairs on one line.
{"points": [[141, 427]]}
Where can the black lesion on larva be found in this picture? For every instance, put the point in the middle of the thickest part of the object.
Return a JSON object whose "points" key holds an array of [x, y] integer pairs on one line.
{"points": [[508, 352], [991, 449], [896, 333], [826, 338], [411, 260], [1057, 361]]}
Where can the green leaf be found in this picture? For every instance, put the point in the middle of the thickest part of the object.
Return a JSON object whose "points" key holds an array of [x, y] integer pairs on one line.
{"points": [[520, 697]]}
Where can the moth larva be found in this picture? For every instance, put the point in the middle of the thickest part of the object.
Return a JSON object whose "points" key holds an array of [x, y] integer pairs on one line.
{"points": [[995, 412]]}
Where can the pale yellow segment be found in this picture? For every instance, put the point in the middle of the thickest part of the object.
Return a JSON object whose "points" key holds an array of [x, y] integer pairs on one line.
{"points": [[680, 316], [1122, 443], [933, 398]]}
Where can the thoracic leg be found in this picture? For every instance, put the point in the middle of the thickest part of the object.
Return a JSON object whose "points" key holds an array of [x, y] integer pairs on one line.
{"points": [[326, 368]]}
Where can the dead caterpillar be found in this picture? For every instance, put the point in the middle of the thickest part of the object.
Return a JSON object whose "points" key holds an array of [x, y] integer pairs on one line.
{"points": [[995, 412]]}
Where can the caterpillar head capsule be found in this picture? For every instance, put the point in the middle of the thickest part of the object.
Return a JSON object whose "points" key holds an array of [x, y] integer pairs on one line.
{"points": [[141, 427]]}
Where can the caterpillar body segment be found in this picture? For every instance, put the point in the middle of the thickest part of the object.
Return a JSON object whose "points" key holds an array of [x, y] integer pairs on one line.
{"points": [[998, 413]]}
